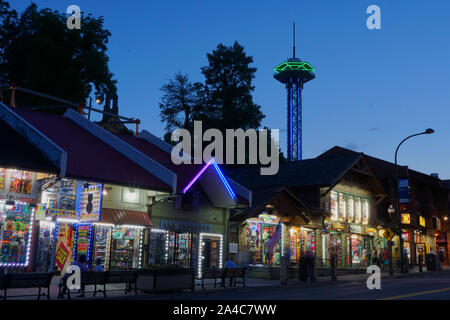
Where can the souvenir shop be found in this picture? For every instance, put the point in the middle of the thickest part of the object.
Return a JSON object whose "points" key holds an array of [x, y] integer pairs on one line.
{"points": [[71, 224], [186, 245], [17, 210], [257, 232]]}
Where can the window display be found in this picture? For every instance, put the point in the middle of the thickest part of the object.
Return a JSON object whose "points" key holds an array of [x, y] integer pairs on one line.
{"points": [[102, 245], [159, 243], [125, 248], [350, 208], [357, 249], [21, 181], [15, 234], [258, 233], [65, 234], [44, 250], [180, 246]]}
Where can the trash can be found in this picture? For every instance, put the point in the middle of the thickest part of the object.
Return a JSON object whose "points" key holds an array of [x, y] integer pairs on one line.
{"points": [[431, 262]]}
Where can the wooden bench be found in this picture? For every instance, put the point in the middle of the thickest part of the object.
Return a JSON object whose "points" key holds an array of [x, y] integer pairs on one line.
{"points": [[212, 273], [26, 280], [94, 278], [233, 274]]}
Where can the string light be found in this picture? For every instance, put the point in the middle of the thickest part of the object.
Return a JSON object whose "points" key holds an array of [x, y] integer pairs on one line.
{"points": [[166, 255], [200, 250]]}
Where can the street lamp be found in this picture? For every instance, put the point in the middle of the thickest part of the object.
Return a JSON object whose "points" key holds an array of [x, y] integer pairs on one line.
{"points": [[391, 211], [402, 264]]}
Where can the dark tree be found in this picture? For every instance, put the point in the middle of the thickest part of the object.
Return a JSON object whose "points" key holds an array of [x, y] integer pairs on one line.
{"points": [[179, 104], [227, 92], [39, 52]]}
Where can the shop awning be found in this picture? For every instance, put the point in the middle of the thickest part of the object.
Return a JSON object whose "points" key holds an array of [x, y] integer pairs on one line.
{"points": [[127, 217]]}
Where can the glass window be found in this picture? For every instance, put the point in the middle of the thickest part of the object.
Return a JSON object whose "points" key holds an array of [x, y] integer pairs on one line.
{"points": [[157, 253], [14, 240], [342, 206], [357, 209], [334, 205], [365, 210], [350, 208]]}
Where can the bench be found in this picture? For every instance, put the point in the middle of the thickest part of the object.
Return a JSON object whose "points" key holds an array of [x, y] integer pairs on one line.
{"points": [[223, 274], [102, 279], [212, 273], [233, 274], [26, 280]]}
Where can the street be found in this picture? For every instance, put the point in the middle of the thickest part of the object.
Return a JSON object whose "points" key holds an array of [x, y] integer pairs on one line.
{"points": [[424, 286]]}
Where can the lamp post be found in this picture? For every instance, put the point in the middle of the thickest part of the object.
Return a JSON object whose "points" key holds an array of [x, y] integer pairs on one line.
{"points": [[391, 211], [428, 131]]}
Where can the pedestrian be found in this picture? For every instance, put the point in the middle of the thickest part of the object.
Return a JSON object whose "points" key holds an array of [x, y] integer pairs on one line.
{"points": [[374, 256], [98, 265], [230, 264], [333, 257]]}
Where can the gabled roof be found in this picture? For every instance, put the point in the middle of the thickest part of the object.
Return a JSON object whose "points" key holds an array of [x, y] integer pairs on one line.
{"points": [[13, 155], [382, 169], [304, 173], [159, 151], [88, 157]]}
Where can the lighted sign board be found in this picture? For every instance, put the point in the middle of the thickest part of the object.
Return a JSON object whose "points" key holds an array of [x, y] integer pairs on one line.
{"points": [[422, 221], [355, 229], [406, 218], [371, 231], [91, 203]]}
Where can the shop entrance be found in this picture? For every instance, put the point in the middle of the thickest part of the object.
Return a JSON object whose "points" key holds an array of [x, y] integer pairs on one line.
{"points": [[180, 249], [125, 248], [211, 253], [420, 251]]}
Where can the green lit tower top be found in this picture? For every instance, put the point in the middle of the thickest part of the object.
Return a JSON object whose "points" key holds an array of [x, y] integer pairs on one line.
{"points": [[294, 73]]}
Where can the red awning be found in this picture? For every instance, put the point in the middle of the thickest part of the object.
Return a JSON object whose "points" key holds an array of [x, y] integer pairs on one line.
{"points": [[121, 217]]}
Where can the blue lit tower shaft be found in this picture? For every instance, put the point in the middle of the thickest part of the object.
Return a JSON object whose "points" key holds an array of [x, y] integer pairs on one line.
{"points": [[294, 119]]}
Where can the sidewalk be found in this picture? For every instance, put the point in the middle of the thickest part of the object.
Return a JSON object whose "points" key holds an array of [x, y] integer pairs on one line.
{"points": [[209, 286]]}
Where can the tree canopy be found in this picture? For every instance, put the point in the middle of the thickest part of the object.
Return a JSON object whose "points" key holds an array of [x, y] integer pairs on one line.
{"points": [[39, 52], [223, 101]]}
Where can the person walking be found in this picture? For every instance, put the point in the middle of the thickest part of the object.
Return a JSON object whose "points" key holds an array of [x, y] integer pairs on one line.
{"points": [[98, 265], [374, 256], [386, 258]]}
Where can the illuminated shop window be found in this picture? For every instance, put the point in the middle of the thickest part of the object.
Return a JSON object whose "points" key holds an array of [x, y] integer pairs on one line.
{"points": [[350, 208], [342, 206], [334, 205], [365, 210], [357, 209], [15, 235], [2, 178], [20, 181]]}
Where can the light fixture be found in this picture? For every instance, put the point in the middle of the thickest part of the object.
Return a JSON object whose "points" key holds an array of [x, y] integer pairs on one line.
{"points": [[445, 218], [391, 210], [429, 131]]}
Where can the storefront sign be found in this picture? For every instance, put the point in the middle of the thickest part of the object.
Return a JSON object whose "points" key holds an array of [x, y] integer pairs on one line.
{"points": [[422, 221], [91, 203], [355, 229], [338, 226], [406, 218], [403, 190], [61, 213], [268, 218], [83, 239], [371, 231], [62, 253], [233, 248], [183, 226]]}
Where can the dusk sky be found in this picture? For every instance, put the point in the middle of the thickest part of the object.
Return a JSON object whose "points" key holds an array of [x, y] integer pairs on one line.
{"points": [[372, 88]]}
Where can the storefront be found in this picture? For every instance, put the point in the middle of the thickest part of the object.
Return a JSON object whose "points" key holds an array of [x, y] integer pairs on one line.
{"points": [[16, 220], [186, 245], [258, 231], [302, 241]]}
